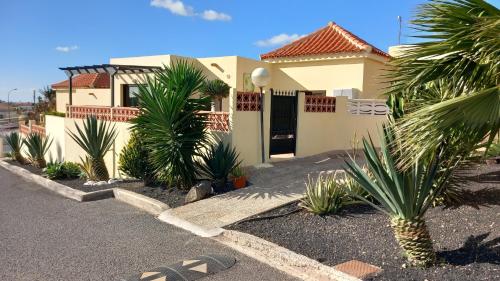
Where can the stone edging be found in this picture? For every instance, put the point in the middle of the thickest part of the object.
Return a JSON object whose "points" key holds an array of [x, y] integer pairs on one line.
{"points": [[140, 201], [281, 258], [61, 189]]}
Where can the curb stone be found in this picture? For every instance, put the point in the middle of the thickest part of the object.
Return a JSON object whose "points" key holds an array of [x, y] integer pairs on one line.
{"points": [[281, 258], [140, 201], [58, 188], [168, 217]]}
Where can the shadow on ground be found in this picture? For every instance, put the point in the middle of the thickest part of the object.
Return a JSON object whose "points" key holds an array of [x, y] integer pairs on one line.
{"points": [[475, 250]]}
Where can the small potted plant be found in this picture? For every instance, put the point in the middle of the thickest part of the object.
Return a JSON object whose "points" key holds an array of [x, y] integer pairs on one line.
{"points": [[239, 178]]}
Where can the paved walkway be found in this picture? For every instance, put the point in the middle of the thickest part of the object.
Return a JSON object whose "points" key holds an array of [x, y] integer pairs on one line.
{"points": [[271, 188], [44, 236]]}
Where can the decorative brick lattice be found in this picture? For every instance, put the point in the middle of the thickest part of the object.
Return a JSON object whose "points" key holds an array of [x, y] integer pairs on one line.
{"points": [[367, 107], [37, 129], [247, 101], [218, 121], [23, 129], [124, 114], [118, 114], [319, 104]]}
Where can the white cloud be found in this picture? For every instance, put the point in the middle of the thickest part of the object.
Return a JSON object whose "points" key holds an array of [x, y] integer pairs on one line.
{"points": [[177, 7], [174, 6], [279, 39], [66, 49], [214, 15]]}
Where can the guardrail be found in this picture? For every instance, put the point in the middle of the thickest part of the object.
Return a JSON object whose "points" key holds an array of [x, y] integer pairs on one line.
{"points": [[367, 107]]}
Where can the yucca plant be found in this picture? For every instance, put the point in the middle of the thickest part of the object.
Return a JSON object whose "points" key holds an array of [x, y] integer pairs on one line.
{"points": [[404, 196], [37, 146], [217, 90], [85, 166], [217, 162], [170, 123], [95, 138], [15, 142], [324, 195]]}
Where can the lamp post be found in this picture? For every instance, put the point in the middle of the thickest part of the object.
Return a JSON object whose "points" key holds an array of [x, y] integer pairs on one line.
{"points": [[261, 78], [8, 102]]}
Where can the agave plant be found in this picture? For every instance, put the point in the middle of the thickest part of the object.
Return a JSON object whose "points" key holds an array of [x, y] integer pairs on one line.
{"points": [[96, 139], [16, 144], [325, 195], [216, 89], [404, 196], [217, 162], [173, 130], [37, 146], [87, 169]]}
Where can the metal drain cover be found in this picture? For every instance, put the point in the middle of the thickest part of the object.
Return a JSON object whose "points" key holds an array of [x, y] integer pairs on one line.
{"points": [[191, 269]]}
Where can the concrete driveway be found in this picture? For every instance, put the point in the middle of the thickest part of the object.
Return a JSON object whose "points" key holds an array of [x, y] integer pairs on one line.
{"points": [[46, 237]]}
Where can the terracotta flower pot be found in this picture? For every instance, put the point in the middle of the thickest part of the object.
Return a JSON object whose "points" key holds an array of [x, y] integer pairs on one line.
{"points": [[240, 182]]}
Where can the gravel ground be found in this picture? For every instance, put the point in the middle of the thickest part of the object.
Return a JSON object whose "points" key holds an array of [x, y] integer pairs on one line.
{"points": [[466, 237], [173, 197], [78, 182]]}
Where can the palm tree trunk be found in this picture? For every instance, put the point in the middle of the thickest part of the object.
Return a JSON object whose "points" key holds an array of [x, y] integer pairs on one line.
{"points": [[40, 163], [19, 157], [413, 236], [100, 170]]}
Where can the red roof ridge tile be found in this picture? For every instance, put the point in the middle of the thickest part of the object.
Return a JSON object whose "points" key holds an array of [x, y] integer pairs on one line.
{"points": [[329, 39]]}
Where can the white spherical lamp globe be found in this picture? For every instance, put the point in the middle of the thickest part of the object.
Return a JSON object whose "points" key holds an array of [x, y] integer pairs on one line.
{"points": [[260, 77]]}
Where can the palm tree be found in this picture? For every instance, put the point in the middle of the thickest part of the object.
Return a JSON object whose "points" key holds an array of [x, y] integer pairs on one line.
{"points": [[170, 122], [404, 196], [460, 58], [96, 139], [217, 90]]}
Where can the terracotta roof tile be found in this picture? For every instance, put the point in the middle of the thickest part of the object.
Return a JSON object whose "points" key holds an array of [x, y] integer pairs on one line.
{"points": [[330, 39], [93, 80]]}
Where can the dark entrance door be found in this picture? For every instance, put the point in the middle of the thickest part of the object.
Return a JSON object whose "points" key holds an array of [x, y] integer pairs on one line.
{"points": [[283, 135]]}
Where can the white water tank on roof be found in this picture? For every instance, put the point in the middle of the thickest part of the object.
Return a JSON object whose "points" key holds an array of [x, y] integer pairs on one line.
{"points": [[350, 93]]}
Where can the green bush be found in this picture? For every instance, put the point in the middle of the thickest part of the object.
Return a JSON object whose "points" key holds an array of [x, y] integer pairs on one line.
{"points": [[324, 195], [134, 159], [56, 113], [218, 161], [62, 170]]}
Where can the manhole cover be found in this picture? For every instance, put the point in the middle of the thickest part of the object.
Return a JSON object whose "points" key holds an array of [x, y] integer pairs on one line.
{"points": [[187, 270]]}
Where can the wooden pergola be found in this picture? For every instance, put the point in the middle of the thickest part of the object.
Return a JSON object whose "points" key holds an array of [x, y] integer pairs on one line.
{"points": [[111, 69]]}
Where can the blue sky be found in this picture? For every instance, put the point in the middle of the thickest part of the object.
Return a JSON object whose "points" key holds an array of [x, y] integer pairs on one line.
{"points": [[40, 36]]}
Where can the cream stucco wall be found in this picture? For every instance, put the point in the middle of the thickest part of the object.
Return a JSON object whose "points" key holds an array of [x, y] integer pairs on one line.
{"points": [[319, 132], [99, 97]]}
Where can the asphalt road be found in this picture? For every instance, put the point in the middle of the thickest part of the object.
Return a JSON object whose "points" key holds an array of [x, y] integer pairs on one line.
{"points": [[44, 236]]}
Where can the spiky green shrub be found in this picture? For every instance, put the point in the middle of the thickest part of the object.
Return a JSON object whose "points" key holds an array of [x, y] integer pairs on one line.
{"points": [[134, 159], [88, 171], [216, 89], [96, 139], [16, 143], [170, 123], [62, 170], [218, 161], [324, 195], [404, 196], [37, 146]]}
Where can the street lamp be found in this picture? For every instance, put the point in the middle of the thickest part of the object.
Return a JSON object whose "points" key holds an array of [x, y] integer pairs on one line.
{"points": [[8, 102], [261, 78]]}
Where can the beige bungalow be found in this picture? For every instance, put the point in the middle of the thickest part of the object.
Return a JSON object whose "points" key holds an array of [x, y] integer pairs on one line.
{"points": [[324, 89]]}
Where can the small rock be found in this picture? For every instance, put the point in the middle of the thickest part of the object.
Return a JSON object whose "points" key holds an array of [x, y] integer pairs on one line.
{"points": [[111, 181], [89, 183], [101, 183], [404, 265], [199, 191]]}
